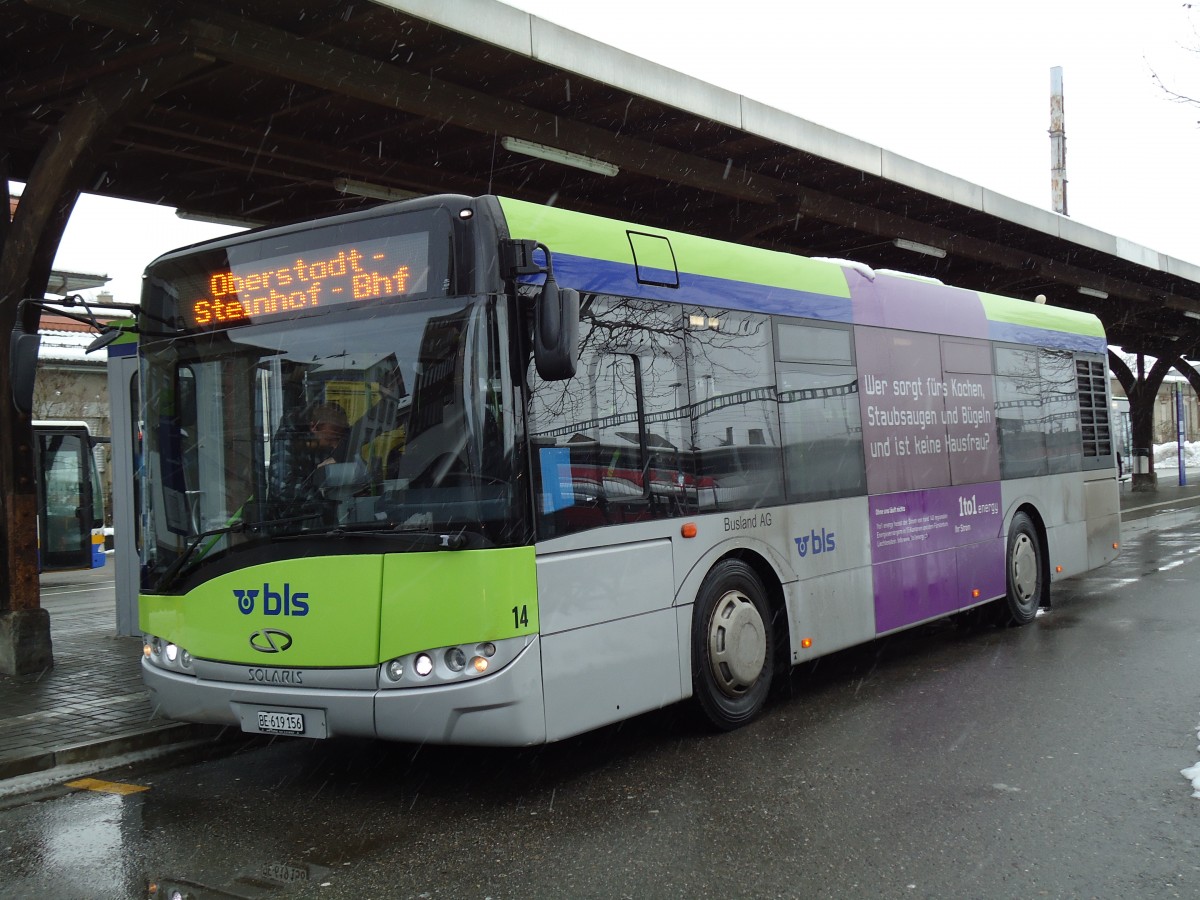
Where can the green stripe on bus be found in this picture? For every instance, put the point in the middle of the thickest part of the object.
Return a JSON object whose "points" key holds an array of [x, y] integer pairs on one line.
{"points": [[592, 237], [328, 606], [441, 599], [1035, 315], [333, 608]]}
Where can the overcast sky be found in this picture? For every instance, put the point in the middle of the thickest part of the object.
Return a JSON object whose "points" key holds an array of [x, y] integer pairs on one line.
{"points": [[959, 86]]}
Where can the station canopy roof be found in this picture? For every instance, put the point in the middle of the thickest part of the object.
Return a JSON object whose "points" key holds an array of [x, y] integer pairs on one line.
{"points": [[287, 111]]}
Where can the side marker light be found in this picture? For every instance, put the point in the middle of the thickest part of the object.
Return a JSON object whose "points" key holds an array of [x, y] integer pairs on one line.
{"points": [[1058, 569], [975, 593], [805, 643], [689, 530]]}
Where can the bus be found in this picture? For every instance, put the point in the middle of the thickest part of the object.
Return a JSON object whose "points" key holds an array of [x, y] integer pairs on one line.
{"points": [[486, 472], [70, 498]]}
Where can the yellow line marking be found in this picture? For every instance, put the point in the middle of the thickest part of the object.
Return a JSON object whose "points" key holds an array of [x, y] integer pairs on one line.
{"points": [[106, 787]]}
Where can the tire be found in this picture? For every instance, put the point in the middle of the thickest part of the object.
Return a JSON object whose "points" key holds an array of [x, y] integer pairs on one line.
{"points": [[733, 646], [1025, 572]]}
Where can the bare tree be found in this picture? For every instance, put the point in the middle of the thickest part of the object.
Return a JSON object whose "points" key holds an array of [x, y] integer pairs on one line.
{"points": [[1172, 94]]}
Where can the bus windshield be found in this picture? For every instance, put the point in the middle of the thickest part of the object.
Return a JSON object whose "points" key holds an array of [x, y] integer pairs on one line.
{"points": [[392, 424]]}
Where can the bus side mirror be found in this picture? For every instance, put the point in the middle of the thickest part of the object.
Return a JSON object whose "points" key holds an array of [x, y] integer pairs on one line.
{"points": [[22, 356], [556, 331]]}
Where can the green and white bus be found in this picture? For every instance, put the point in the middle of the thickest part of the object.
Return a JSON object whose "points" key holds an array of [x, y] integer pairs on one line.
{"points": [[480, 471]]}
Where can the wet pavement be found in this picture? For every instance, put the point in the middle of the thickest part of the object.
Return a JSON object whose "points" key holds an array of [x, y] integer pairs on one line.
{"points": [[91, 708], [92, 705]]}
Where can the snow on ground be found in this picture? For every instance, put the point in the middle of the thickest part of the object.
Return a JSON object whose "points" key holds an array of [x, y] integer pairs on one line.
{"points": [[1193, 774], [1167, 455]]}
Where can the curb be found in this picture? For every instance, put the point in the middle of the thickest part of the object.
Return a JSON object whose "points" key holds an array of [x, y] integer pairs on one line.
{"points": [[17, 764]]}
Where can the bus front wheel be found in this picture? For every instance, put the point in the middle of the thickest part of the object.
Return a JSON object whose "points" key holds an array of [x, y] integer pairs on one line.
{"points": [[733, 647], [1025, 572]]}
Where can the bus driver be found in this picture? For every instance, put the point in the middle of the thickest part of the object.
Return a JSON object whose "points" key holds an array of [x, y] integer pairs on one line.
{"points": [[299, 456]]}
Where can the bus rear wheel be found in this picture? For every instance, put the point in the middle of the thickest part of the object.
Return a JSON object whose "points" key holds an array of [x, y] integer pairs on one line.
{"points": [[733, 647], [1025, 572]]}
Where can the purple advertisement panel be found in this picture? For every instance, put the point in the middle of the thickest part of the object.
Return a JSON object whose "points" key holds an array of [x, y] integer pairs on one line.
{"points": [[914, 589], [981, 570], [903, 407], [893, 302], [970, 411], [933, 549]]}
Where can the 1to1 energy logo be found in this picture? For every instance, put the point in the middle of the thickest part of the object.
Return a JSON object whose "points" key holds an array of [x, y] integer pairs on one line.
{"points": [[274, 603], [817, 543]]}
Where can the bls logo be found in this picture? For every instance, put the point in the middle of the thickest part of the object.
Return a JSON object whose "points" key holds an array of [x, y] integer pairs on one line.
{"points": [[273, 603], [820, 543]]}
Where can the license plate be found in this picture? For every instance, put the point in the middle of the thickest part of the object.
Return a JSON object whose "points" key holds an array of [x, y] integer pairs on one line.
{"points": [[285, 874], [280, 723]]}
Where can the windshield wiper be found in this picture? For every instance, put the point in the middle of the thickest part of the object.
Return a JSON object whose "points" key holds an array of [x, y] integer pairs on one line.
{"points": [[180, 566], [176, 570]]}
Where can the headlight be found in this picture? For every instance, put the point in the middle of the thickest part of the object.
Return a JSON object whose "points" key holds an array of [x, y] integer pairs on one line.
{"points": [[450, 665], [166, 655], [151, 647]]}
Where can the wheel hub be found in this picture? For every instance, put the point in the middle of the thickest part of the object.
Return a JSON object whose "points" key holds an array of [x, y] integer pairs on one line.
{"points": [[737, 643], [1024, 569]]}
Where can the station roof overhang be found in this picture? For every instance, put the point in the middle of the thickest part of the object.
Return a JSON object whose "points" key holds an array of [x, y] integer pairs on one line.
{"points": [[278, 116]]}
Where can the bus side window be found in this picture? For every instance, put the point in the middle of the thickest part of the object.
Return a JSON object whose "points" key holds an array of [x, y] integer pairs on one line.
{"points": [[611, 444], [819, 412], [1060, 407], [734, 414], [1018, 412]]}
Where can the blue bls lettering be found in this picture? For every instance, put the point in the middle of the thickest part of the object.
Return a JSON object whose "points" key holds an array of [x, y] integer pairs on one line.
{"points": [[820, 543], [273, 602]]}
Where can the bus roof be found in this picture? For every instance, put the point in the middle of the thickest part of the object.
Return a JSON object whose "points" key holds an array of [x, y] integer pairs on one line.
{"points": [[602, 255]]}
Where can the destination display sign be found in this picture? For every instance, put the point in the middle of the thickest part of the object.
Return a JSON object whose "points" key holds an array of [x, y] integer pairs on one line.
{"points": [[306, 282]]}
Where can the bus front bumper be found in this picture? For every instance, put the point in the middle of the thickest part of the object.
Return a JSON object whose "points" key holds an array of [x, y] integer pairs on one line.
{"points": [[503, 709]]}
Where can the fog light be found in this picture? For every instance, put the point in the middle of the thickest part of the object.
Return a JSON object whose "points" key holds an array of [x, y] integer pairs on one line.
{"points": [[423, 665], [395, 670], [456, 660]]}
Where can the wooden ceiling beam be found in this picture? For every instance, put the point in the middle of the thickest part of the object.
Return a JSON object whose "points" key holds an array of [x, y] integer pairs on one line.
{"points": [[246, 43]]}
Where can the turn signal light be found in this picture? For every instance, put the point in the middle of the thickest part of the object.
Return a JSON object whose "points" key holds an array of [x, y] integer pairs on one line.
{"points": [[480, 664], [974, 593], [805, 643], [1058, 569], [689, 530]]}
